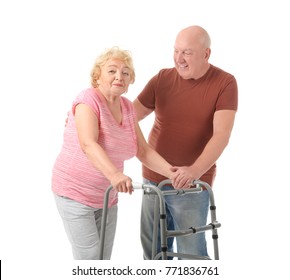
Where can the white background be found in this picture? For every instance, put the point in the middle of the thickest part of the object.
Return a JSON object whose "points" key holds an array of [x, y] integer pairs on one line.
{"points": [[47, 50]]}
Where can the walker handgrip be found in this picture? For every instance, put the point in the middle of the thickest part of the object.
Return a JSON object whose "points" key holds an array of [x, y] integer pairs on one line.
{"points": [[137, 185]]}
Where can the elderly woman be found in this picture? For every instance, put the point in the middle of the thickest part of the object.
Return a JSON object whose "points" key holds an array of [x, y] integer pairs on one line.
{"points": [[101, 133]]}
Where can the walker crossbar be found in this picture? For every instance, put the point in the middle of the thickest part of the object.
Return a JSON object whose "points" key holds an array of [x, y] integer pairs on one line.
{"points": [[183, 256], [192, 230]]}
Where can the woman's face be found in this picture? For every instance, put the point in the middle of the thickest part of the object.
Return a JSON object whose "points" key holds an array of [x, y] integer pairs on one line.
{"points": [[115, 78]]}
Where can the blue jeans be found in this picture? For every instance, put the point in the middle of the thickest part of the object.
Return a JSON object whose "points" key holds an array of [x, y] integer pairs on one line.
{"points": [[183, 212], [83, 227]]}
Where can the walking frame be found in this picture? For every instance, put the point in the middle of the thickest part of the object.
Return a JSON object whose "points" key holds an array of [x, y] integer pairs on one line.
{"points": [[160, 210]]}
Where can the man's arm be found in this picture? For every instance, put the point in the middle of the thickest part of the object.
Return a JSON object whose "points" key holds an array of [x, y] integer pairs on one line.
{"points": [[141, 110], [222, 127]]}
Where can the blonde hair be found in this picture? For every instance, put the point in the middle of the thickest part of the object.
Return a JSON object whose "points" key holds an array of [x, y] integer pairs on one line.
{"points": [[112, 53]]}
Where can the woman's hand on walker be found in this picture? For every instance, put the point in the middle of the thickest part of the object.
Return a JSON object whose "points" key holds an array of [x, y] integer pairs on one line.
{"points": [[122, 183]]}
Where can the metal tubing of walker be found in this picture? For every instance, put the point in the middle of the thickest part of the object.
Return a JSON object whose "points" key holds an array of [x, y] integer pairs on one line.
{"points": [[104, 222], [155, 229], [158, 209], [161, 209], [213, 215], [199, 185]]}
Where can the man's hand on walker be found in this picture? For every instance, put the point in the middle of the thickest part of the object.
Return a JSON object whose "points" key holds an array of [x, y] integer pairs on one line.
{"points": [[182, 177]]}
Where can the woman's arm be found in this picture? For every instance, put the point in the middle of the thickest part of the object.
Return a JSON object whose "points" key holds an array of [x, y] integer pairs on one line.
{"points": [[88, 132], [151, 158]]}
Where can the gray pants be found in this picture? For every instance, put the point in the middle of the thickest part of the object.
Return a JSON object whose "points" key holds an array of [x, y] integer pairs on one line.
{"points": [[83, 226]]}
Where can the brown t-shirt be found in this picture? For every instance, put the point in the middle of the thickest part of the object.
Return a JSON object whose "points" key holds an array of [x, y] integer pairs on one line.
{"points": [[184, 111]]}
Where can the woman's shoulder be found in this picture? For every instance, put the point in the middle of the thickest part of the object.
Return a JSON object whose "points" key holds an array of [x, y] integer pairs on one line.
{"points": [[88, 92], [90, 97], [126, 102]]}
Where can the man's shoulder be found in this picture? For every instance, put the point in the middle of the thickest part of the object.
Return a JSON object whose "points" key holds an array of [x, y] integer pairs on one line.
{"points": [[219, 71], [167, 73]]}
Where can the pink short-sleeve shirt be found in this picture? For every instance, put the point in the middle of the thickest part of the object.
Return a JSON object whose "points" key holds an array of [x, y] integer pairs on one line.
{"points": [[74, 176]]}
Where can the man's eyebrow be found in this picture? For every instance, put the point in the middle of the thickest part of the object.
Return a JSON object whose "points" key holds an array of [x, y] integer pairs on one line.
{"points": [[184, 50]]}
